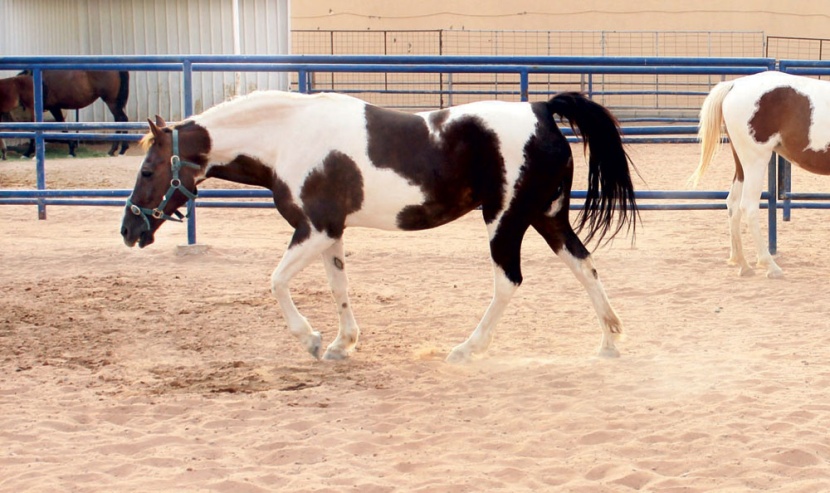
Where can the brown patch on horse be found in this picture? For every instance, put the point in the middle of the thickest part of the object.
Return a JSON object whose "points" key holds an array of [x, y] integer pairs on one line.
{"points": [[460, 170], [194, 142], [739, 169], [251, 171], [787, 112], [332, 193]]}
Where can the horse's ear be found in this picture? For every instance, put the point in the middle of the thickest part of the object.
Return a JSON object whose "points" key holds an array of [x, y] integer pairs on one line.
{"points": [[154, 129], [160, 122]]}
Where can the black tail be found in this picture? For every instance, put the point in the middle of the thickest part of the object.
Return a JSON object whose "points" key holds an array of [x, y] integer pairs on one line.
{"points": [[609, 178], [123, 89]]}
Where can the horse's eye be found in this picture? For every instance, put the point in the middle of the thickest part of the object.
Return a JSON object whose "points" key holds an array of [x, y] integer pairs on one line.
{"points": [[146, 173]]}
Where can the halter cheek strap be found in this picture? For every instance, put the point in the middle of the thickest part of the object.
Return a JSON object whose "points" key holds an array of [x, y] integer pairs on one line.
{"points": [[176, 164]]}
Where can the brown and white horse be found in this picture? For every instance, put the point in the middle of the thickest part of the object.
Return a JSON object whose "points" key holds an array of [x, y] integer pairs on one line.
{"points": [[764, 113], [334, 161]]}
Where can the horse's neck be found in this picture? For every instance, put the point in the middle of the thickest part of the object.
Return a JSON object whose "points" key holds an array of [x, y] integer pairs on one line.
{"points": [[249, 136], [243, 169]]}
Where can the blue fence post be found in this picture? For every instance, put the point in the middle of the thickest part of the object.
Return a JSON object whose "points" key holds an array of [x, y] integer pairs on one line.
{"points": [[187, 82], [302, 81], [590, 86], [772, 206], [524, 84], [40, 142], [785, 184]]}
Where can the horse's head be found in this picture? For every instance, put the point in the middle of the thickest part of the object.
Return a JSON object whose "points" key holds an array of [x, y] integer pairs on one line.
{"points": [[174, 165]]}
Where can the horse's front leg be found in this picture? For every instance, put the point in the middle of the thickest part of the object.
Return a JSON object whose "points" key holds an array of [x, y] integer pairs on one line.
{"points": [[334, 260], [480, 339], [57, 114], [30, 149], [299, 254]]}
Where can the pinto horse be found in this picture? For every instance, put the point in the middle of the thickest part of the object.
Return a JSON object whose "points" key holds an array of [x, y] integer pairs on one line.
{"points": [[76, 89], [15, 92], [763, 113], [334, 161]]}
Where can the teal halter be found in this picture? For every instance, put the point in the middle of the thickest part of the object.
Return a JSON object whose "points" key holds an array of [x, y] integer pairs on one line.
{"points": [[176, 164]]}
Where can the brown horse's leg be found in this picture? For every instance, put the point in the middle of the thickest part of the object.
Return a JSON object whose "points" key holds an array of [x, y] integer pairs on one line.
{"points": [[116, 106], [57, 114], [2, 149], [30, 150], [120, 116]]}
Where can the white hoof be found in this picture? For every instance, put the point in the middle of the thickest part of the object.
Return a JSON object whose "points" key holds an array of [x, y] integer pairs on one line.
{"points": [[609, 352], [335, 354], [458, 356], [314, 344], [746, 271]]}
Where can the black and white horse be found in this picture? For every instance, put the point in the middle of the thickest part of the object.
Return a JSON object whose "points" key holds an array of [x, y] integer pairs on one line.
{"points": [[334, 161]]}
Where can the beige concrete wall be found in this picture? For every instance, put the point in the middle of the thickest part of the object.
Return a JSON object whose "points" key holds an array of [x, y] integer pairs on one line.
{"points": [[799, 18]]}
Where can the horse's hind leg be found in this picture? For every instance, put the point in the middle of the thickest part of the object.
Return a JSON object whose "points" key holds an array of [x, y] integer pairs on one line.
{"points": [[753, 186], [559, 235], [334, 262], [120, 116], [736, 250], [295, 259], [505, 250], [2, 149], [733, 207]]}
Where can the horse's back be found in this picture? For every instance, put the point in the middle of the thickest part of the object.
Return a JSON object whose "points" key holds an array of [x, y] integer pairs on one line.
{"points": [[419, 170], [76, 89], [777, 112]]}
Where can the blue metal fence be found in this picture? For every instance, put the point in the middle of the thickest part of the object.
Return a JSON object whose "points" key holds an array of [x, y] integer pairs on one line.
{"points": [[304, 65]]}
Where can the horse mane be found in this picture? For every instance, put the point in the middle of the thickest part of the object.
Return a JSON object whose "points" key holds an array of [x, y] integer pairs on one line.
{"points": [[255, 97], [147, 141], [271, 99]]}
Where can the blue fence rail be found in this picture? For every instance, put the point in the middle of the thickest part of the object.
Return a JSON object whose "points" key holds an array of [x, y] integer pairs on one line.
{"points": [[304, 65]]}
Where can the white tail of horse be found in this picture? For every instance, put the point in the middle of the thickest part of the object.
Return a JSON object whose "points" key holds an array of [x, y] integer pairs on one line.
{"points": [[709, 128]]}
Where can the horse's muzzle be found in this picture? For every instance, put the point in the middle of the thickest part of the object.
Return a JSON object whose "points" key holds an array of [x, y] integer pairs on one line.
{"points": [[136, 234]]}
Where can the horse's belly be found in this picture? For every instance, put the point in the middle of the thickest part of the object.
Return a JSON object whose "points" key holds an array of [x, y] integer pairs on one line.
{"points": [[385, 195]]}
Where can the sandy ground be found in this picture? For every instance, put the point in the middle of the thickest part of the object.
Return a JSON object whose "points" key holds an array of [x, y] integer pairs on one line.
{"points": [[148, 370]]}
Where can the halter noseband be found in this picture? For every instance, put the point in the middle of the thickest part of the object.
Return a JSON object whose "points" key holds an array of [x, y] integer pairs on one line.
{"points": [[176, 163]]}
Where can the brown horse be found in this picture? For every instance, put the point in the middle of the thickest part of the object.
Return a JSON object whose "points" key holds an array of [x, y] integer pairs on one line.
{"points": [[15, 92], [76, 89]]}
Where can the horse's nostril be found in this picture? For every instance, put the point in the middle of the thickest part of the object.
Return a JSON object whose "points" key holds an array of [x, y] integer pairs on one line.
{"points": [[124, 231]]}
